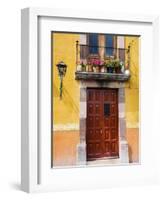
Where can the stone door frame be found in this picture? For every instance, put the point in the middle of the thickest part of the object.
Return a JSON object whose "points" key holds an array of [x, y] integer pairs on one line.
{"points": [[123, 145]]}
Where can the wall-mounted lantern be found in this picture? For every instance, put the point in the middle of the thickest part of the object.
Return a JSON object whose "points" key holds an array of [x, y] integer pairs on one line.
{"points": [[62, 68]]}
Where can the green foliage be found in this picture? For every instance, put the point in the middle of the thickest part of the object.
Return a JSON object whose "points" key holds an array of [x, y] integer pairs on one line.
{"points": [[114, 63]]}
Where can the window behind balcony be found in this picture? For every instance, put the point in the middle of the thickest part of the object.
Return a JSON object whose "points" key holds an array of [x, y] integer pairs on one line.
{"points": [[93, 43], [109, 45], [102, 46]]}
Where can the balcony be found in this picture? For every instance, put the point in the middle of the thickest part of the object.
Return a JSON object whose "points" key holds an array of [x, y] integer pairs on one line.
{"points": [[102, 76], [101, 66]]}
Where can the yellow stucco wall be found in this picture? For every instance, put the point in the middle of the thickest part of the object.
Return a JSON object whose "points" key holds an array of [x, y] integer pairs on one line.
{"points": [[66, 111], [132, 100], [132, 87]]}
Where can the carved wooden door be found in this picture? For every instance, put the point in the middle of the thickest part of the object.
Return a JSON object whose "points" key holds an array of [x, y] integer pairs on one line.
{"points": [[102, 124]]}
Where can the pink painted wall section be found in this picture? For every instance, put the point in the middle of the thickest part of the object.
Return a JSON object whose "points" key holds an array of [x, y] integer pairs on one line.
{"points": [[120, 41], [83, 39]]}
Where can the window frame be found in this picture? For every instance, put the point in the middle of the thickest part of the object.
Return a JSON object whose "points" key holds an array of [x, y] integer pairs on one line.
{"points": [[106, 57], [90, 55]]}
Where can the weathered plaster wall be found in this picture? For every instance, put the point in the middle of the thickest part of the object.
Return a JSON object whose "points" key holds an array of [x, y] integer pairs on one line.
{"points": [[65, 111], [64, 150], [133, 144], [132, 100]]}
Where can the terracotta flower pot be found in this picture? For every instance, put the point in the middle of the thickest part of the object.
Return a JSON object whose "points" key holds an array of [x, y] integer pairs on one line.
{"points": [[103, 69], [90, 68], [118, 70], [97, 69], [79, 68]]}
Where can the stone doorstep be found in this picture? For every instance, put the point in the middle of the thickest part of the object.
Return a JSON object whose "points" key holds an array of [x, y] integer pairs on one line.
{"points": [[124, 158], [124, 151], [105, 162]]}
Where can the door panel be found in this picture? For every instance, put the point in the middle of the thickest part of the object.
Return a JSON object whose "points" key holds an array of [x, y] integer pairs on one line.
{"points": [[102, 123]]}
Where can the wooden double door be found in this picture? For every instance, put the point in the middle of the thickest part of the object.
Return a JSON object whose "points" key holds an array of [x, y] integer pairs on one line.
{"points": [[102, 124]]}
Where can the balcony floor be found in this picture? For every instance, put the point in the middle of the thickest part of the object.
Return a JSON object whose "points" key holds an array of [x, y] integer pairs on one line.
{"points": [[101, 76]]}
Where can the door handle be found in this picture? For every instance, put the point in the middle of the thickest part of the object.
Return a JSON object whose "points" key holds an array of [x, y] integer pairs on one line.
{"points": [[101, 131]]}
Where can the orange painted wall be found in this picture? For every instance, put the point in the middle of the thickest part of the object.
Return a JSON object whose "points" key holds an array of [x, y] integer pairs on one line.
{"points": [[132, 136], [65, 143]]}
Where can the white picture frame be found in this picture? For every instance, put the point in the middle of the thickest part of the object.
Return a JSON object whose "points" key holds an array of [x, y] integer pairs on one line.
{"points": [[36, 171]]}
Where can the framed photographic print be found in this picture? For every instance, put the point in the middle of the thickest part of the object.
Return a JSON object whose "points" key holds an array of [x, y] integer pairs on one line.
{"points": [[88, 96]]}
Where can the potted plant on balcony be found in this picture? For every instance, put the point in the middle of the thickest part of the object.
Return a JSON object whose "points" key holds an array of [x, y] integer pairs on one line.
{"points": [[122, 66], [79, 67], [110, 67], [102, 67], [96, 63], [89, 66], [83, 66], [117, 66]]}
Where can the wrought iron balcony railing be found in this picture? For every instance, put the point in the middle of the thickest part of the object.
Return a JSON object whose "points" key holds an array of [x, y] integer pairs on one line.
{"points": [[102, 63]]}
